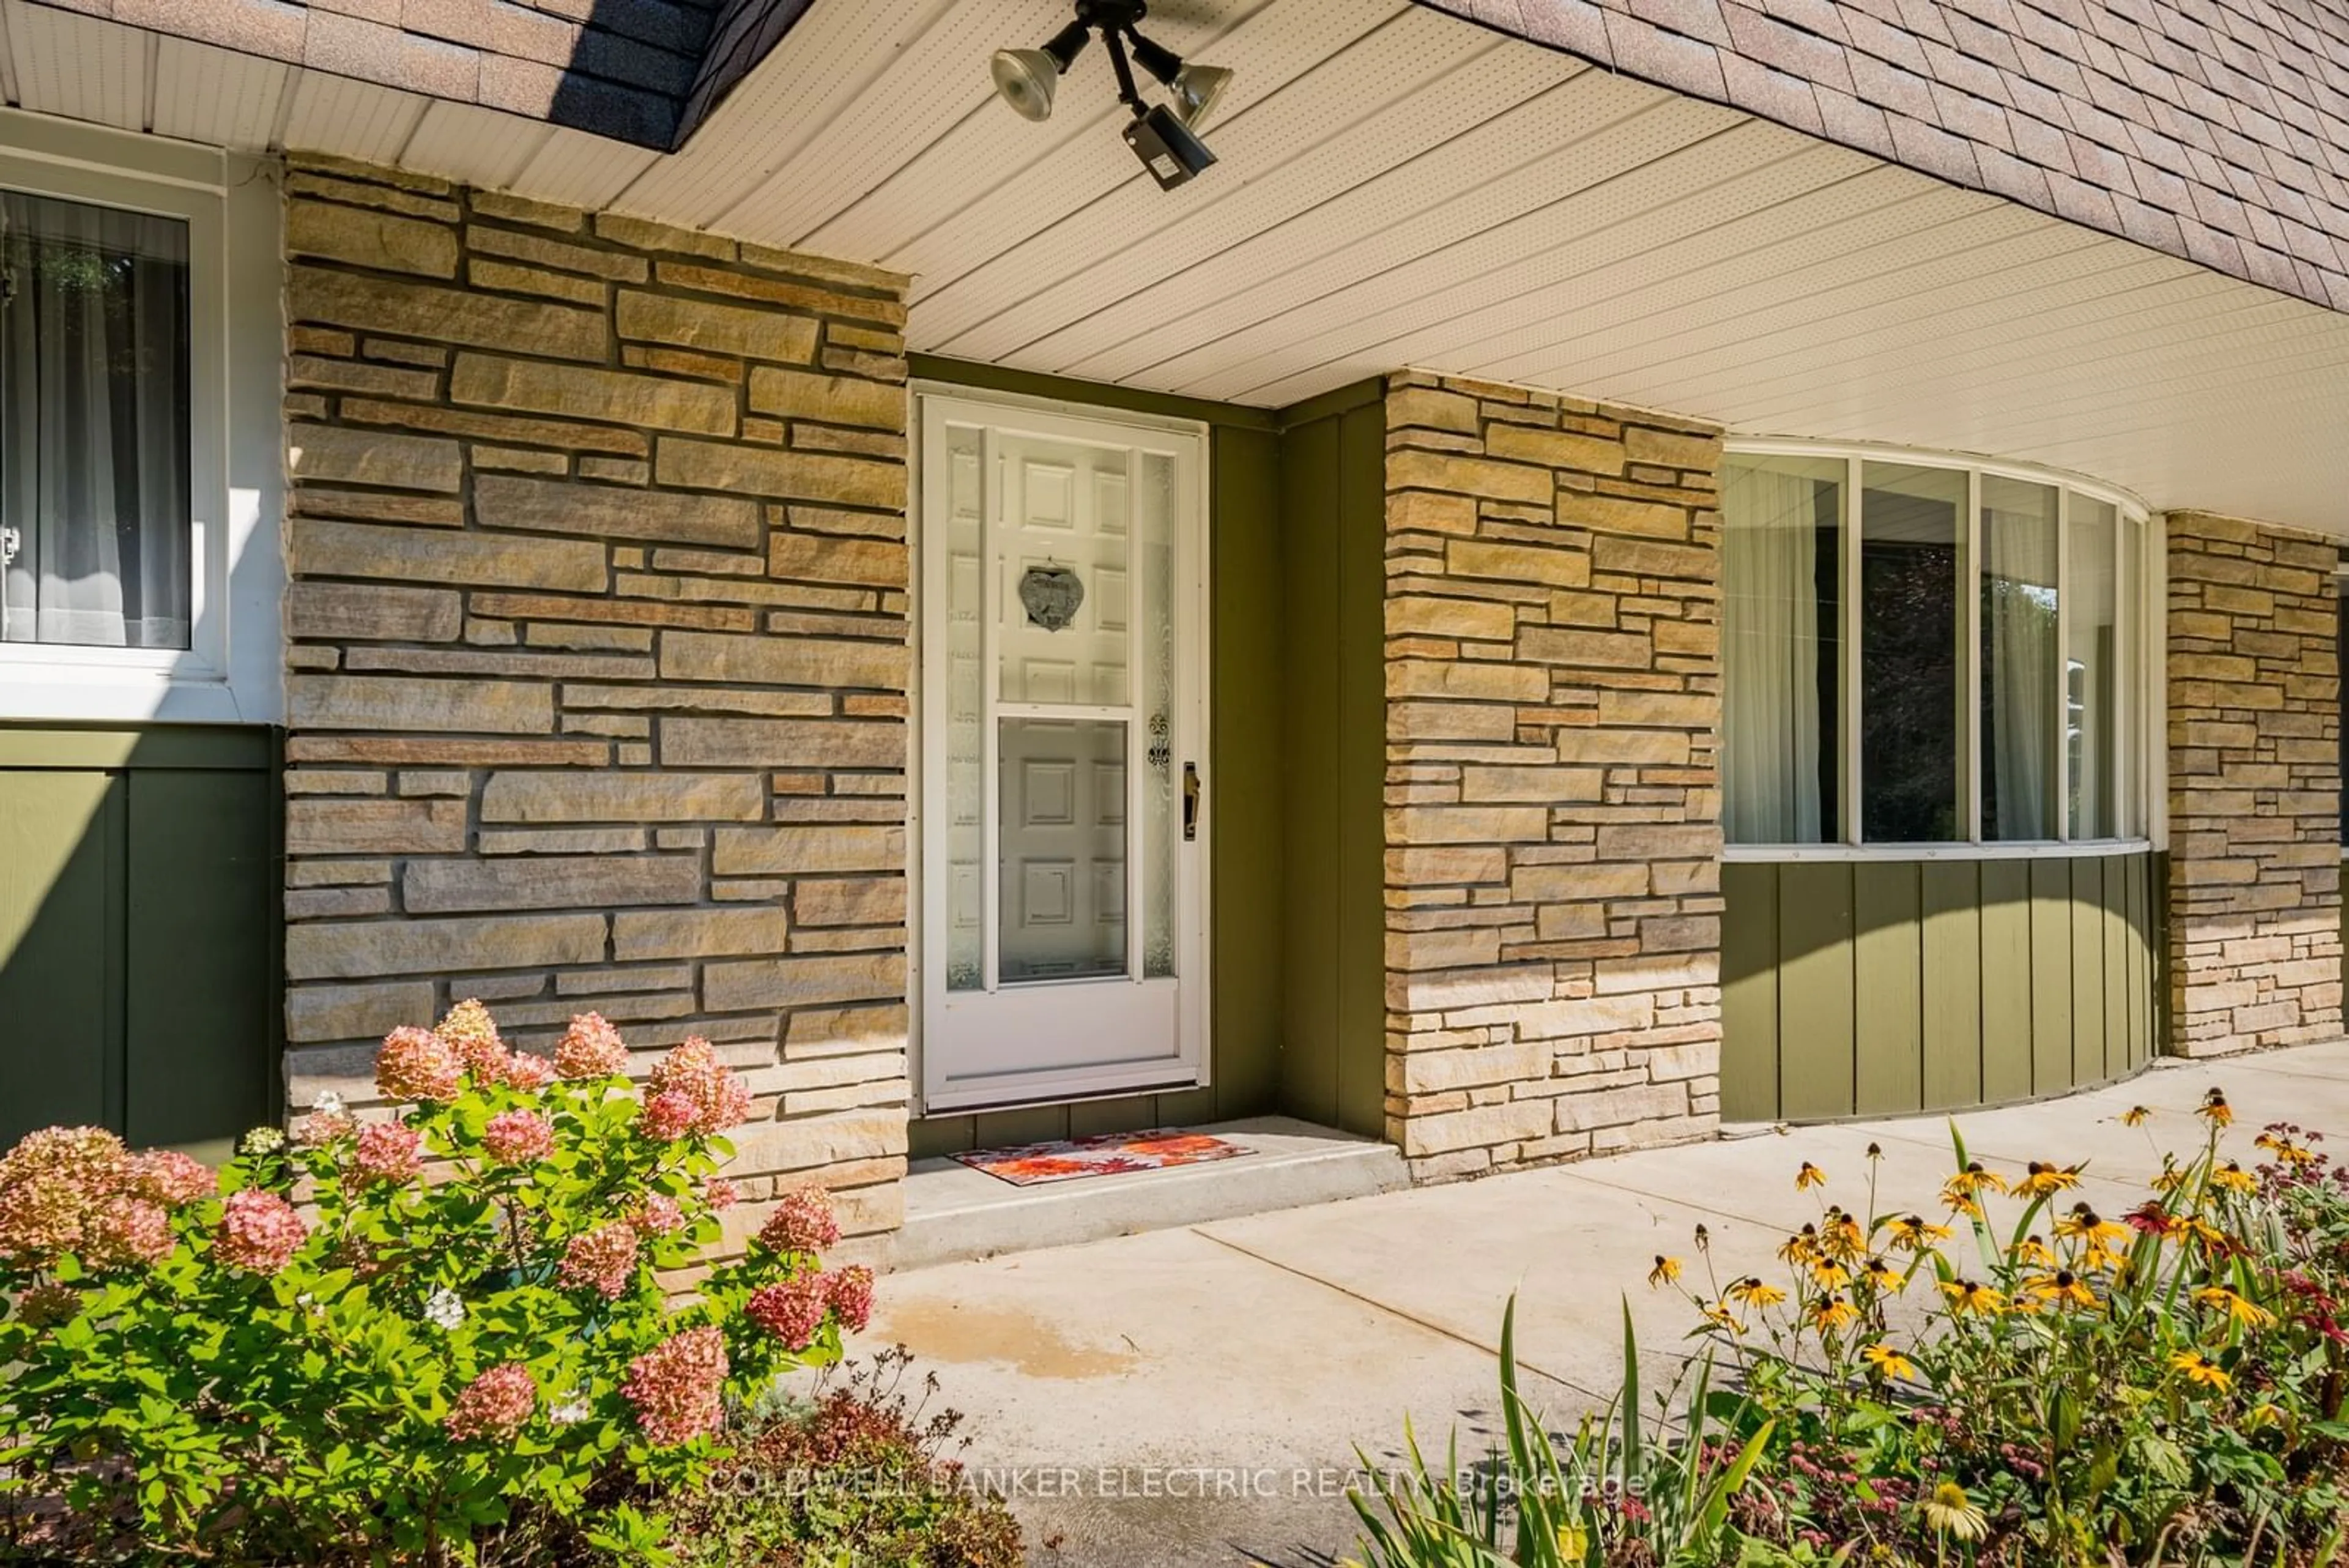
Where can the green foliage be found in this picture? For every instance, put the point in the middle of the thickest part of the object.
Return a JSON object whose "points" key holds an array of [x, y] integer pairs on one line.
{"points": [[404, 1367], [2049, 1387]]}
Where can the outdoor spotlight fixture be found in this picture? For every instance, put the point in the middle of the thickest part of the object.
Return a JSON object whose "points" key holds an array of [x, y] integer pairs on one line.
{"points": [[1165, 136]]}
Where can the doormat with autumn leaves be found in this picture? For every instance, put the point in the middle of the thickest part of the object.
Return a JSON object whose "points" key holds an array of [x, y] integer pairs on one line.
{"points": [[1104, 1154]]}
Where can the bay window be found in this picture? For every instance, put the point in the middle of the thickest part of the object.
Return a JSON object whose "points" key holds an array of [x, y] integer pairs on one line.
{"points": [[1921, 652]]}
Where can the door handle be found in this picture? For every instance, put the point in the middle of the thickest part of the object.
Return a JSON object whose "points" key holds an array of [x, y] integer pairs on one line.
{"points": [[1190, 802]]}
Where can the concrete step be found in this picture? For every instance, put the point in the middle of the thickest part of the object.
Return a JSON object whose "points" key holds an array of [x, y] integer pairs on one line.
{"points": [[952, 1212]]}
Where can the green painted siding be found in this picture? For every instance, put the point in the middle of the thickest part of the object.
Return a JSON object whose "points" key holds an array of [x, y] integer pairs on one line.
{"points": [[1295, 605], [139, 931], [1875, 987]]}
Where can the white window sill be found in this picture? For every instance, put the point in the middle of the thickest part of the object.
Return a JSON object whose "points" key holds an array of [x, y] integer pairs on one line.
{"points": [[87, 694], [2083, 848]]}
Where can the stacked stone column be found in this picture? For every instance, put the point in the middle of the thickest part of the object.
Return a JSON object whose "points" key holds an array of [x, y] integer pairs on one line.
{"points": [[2254, 941], [597, 652], [1553, 829]]}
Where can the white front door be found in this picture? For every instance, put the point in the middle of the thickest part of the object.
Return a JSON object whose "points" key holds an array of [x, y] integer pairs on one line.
{"points": [[1061, 950]]}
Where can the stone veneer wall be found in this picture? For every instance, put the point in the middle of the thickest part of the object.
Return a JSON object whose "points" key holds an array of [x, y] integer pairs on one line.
{"points": [[597, 654], [1553, 832], [2254, 786]]}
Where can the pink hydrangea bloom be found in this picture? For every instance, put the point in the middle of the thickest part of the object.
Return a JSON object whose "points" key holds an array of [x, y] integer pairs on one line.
{"points": [[590, 1048], [602, 1259], [720, 1100], [526, 1070], [470, 1032], [850, 1296], [667, 1118], [802, 1222], [494, 1405], [49, 1183], [677, 1388], [719, 1193], [128, 1232], [47, 1304], [167, 1176], [792, 1311], [320, 1129], [416, 1065], [258, 1231], [387, 1151], [657, 1216], [517, 1137]]}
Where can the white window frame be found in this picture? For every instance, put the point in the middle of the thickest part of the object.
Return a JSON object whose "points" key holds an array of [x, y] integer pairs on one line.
{"points": [[2140, 738], [231, 670]]}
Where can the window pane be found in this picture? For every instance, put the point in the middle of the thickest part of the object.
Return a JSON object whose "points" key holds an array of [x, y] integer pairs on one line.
{"points": [[93, 426], [2019, 721], [2091, 670], [1782, 580], [1910, 560]]}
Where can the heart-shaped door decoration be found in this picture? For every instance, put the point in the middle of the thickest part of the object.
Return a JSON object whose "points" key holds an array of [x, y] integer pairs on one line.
{"points": [[1051, 595]]}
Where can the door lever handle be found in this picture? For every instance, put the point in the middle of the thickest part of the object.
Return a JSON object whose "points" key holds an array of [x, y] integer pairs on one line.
{"points": [[1190, 802]]}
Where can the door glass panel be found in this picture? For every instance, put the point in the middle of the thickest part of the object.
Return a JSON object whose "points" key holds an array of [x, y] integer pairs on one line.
{"points": [[1062, 890], [966, 778], [1154, 544]]}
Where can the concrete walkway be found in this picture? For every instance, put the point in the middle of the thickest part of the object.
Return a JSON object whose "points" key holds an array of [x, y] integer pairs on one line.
{"points": [[1195, 1395]]}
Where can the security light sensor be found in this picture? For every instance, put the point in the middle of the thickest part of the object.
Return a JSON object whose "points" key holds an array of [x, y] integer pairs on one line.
{"points": [[1166, 146]]}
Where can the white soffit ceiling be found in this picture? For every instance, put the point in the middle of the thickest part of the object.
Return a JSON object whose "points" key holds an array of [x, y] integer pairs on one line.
{"points": [[1396, 187]]}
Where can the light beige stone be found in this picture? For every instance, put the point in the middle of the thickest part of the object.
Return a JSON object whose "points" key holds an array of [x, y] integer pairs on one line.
{"points": [[348, 827], [618, 267], [1555, 449], [325, 548], [781, 743], [485, 273], [797, 851], [372, 610], [734, 986], [698, 933], [545, 798], [620, 397], [548, 505], [369, 237], [832, 399], [858, 901], [734, 329], [1413, 469], [331, 454], [323, 1013], [373, 948], [550, 882], [765, 472], [833, 665], [821, 559], [389, 703], [443, 315]]}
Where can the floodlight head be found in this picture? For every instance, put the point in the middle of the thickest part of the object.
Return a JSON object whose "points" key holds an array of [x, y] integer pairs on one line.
{"points": [[1197, 89], [1025, 79], [1166, 146]]}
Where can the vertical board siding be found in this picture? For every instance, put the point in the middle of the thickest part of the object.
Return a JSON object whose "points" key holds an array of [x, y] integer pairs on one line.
{"points": [[139, 984], [1358, 895], [1874, 988]]}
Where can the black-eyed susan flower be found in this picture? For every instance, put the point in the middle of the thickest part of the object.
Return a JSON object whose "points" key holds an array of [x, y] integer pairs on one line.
{"points": [[2214, 1109], [1720, 1317], [1802, 1248], [1910, 1233], [2170, 1179], [2199, 1369], [1831, 1315], [1966, 1296], [1842, 1236], [1666, 1272], [2286, 1151], [1883, 1276], [1808, 1177], [1829, 1276], [2063, 1288], [1753, 1291], [1876, 1151], [2136, 1115], [2084, 1224], [2240, 1308], [1704, 1239], [1887, 1362], [2044, 1179], [1948, 1510], [1974, 1180], [2032, 1253], [2232, 1178]]}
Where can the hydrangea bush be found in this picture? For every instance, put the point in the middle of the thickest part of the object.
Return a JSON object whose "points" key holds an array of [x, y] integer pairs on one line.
{"points": [[380, 1340]]}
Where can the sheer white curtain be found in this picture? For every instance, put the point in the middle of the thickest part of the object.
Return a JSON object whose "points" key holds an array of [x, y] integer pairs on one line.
{"points": [[2019, 658], [1770, 656], [94, 425]]}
